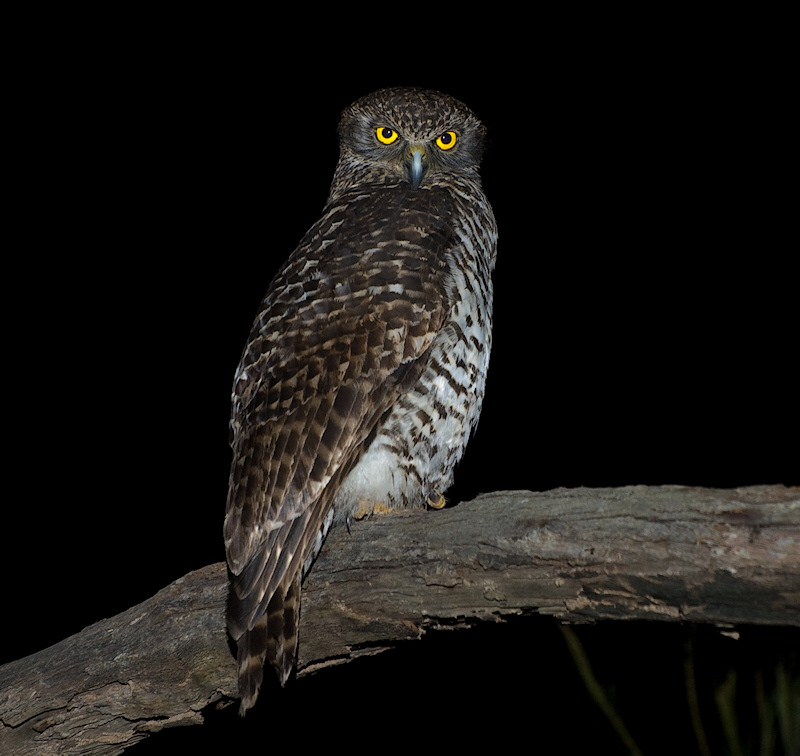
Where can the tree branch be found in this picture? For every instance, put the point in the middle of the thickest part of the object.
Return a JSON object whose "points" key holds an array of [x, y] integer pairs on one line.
{"points": [[666, 553]]}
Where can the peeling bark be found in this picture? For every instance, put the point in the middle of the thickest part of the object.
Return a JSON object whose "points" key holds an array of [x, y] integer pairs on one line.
{"points": [[667, 553]]}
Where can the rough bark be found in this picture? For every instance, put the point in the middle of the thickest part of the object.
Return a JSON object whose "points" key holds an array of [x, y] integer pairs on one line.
{"points": [[669, 553]]}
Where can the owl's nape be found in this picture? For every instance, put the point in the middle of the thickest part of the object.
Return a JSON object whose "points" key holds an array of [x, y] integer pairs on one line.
{"points": [[364, 372]]}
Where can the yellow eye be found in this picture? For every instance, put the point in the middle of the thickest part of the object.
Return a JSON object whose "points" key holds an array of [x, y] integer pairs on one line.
{"points": [[386, 135], [447, 140]]}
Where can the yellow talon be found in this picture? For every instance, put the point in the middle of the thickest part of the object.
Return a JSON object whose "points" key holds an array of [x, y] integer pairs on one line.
{"points": [[364, 508], [368, 508], [439, 502]]}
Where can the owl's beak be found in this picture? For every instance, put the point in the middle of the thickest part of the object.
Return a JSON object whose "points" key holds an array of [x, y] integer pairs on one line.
{"points": [[416, 164]]}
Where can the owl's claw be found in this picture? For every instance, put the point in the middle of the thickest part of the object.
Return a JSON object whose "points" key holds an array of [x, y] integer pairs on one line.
{"points": [[368, 508], [438, 502]]}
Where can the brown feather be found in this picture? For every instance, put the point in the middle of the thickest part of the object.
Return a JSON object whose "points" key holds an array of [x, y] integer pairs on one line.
{"points": [[344, 335]]}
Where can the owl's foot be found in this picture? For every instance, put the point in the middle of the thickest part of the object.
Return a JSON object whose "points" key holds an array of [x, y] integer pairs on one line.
{"points": [[438, 501], [368, 508]]}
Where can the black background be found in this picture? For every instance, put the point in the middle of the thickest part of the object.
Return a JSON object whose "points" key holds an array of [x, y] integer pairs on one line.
{"points": [[645, 310]]}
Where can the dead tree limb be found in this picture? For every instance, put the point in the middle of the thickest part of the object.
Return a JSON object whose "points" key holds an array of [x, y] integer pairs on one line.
{"points": [[665, 553]]}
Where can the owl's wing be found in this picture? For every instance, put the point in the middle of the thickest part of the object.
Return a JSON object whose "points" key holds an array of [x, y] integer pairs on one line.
{"points": [[344, 330]]}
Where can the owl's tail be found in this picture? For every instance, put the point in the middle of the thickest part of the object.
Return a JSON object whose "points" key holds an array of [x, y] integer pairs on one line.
{"points": [[272, 638]]}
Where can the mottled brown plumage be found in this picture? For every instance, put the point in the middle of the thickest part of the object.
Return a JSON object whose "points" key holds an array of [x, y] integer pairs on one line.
{"points": [[364, 372]]}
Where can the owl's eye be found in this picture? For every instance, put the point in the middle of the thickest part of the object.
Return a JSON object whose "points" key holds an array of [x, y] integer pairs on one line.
{"points": [[447, 140], [386, 135]]}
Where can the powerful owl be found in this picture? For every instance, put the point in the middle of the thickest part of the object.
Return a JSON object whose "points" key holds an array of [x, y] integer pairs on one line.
{"points": [[364, 372]]}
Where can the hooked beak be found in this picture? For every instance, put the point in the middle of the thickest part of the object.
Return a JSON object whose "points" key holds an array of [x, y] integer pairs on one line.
{"points": [[416, 164]]}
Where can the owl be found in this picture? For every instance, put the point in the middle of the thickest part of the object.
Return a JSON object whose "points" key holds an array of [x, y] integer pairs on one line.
{"points": [[363, 375]]}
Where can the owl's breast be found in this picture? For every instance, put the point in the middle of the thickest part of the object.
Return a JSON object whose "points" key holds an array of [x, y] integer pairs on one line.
{"points": [[426, 432]]}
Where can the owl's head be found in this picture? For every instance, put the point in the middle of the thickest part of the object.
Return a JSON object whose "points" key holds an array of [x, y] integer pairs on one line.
{"points": [[406, 134]]}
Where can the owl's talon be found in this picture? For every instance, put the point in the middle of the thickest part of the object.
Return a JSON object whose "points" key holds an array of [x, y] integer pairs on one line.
{"points": [[368, 508], [438, 502], [363, 510]]}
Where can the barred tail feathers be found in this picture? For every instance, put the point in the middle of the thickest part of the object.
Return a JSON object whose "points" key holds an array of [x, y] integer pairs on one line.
{"points": [[272, 638]]}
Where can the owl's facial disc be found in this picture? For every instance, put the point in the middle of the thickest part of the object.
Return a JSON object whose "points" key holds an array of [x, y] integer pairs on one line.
{"points": [[416, 163]]}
